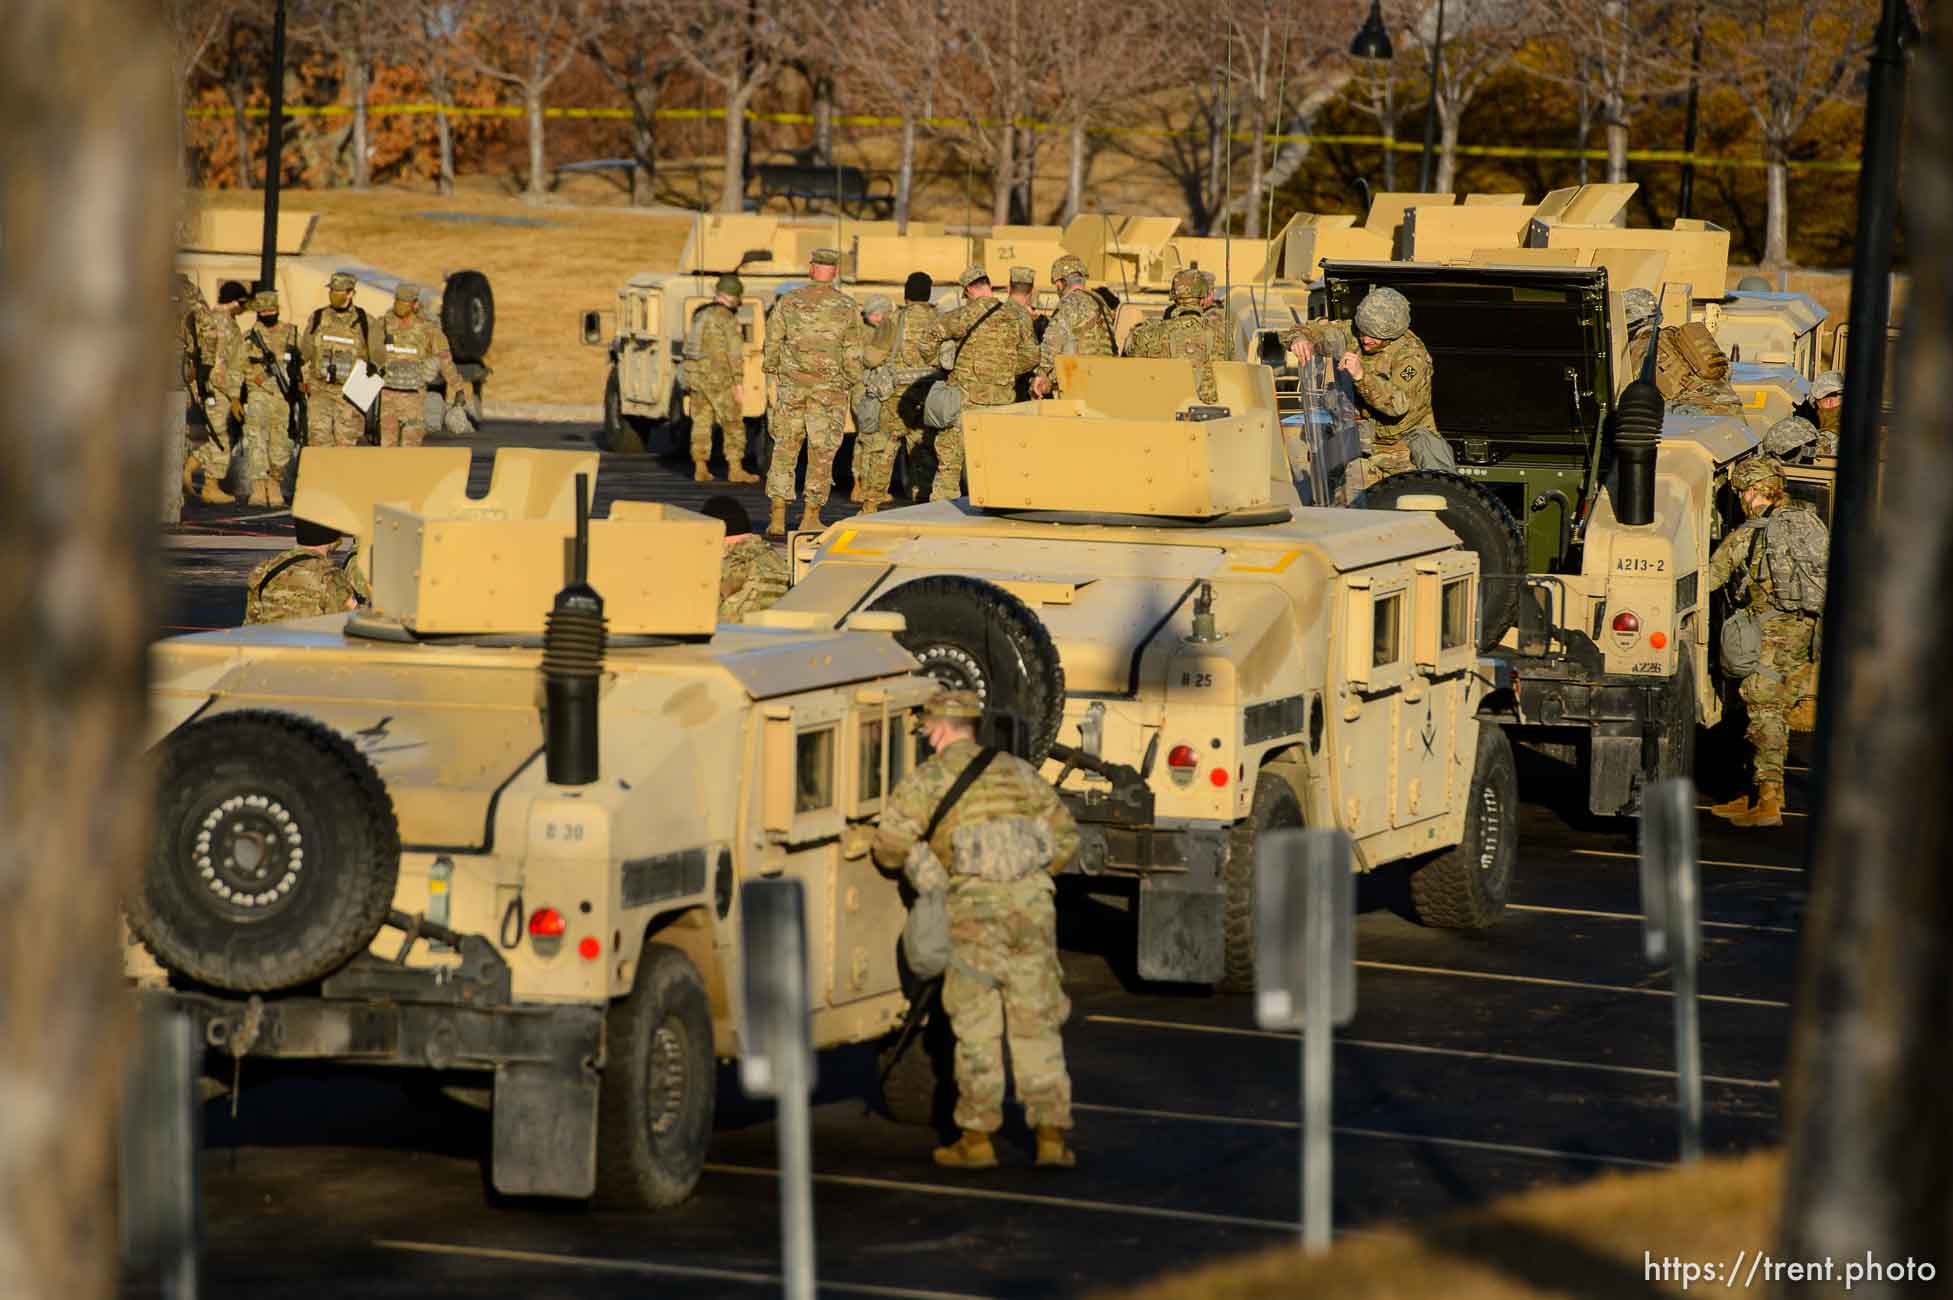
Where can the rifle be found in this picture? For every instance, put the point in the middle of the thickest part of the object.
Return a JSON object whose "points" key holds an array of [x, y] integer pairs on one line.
{"points": [[289, 386]]}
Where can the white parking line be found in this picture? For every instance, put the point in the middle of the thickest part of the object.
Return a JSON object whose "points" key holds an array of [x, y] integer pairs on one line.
{"points": [[649, 1269], [1420, 1049], [1026, 1198], [1384, 1135], [1707, 862], [1405, 968], [1636, 916]]}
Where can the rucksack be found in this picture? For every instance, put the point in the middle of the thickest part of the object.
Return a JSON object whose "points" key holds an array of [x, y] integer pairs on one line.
{"points": [[1797, 551]]}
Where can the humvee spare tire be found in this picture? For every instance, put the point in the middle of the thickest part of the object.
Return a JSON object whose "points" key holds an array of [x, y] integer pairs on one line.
{"points": [[1466, 886], [468, 315], [274, 854], [1484, 526], [974, 635]]}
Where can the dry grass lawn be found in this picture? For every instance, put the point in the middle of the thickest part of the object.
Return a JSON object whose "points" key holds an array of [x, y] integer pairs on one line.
{"points": [[1586, 1241]]}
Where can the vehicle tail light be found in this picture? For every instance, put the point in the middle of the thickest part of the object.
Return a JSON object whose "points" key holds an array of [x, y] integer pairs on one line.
{"points": [[1659, 640], [1627, 621], [589, 949], [1180, 764], [1219, 777], [547, 923]]}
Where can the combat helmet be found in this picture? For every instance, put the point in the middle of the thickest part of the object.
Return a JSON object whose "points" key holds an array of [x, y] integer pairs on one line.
{"points": [[1638, 305], [1383, 314], [1789, 437], [1828, 384], [1188, 286], [960, 706], [1068, 264], [1756, 471]]}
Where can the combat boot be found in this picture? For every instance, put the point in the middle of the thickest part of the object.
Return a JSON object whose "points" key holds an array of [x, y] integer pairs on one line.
{"points": [[776, 523], [701, 471], [854, 493], [1734, 808], [1052, 1151], [871, 505], [1769, 807], [971, 1151], [274, 495], [736, 473], [810, 519], [189, 478], [260, 492], [213, 493]]}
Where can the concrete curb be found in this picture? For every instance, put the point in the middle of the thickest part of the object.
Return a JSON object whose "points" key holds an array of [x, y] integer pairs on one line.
{"points": [[493, 410]]}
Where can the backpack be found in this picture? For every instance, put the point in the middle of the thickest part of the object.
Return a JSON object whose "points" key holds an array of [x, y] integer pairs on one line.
{"points": [[1796, 550]]}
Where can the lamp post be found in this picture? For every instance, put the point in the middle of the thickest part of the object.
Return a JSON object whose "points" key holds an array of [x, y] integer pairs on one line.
{"points": [[1431, 108], [1372, 44], [274, 157]]}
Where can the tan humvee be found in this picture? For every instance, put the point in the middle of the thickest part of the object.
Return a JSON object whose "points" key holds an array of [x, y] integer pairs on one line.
{"points": [[576, 933], [1149, 610]]}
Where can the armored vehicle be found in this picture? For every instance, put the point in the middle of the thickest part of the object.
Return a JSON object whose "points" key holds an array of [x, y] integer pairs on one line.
{"points": [[1136, 590], [550, 795]]}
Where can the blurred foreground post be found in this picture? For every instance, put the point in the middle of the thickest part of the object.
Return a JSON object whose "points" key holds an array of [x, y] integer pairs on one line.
{"points": [[1867, 1112], [776, 1055], [86, 199]]}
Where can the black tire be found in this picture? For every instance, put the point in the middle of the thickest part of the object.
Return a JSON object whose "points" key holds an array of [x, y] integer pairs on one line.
{"points": [[1276, 807], [973, 635], [1484, 526], [276, 802], [919, 1086], [620, 431], [1675, 736], [660, 1082], [468, 315], [1466, 886]]}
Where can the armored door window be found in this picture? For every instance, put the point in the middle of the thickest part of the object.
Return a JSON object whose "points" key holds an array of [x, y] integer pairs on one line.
{"points": [[813, 767], [1455, 614], [1387, 630], [870, 750]]}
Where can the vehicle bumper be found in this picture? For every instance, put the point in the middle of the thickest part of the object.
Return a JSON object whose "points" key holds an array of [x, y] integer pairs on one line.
{"points": [[1622, 716], [1182, 898]]}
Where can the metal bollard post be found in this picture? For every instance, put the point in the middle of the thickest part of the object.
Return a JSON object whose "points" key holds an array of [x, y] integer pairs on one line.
{"points": [[1671, 908], [162, 1140], [776, 1057]]}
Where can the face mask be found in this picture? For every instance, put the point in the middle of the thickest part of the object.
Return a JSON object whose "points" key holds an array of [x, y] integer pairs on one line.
{"points": [[270, 318]]}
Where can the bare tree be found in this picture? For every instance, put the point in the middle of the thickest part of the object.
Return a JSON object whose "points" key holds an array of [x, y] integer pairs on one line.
{"points": [[1128, 50], [432, 33], [86, 209], [1480, 39], [890, 52], [993, 67], [1785, 59], [528, 44], [236, 60], [353, 32], [740, 48], [632, 47], [1601, 50], [193, 26]]}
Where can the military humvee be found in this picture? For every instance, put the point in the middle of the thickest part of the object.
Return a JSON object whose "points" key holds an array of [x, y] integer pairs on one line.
{"points": [[1192, 654], [554, 823]]}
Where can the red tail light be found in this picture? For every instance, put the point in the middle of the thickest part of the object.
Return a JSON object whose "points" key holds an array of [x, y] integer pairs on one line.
{"points": [[547, 923], [1627, 621], [1183, 756]]}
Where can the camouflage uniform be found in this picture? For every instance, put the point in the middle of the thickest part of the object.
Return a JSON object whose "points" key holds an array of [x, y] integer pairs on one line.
{"points": [[413, 347], [300, 583], [715, 363], [1080, 326], [813, 354], [1828, 384], [333, 342], [267, 415], [207, 339], [907, 343], [1678, 380], [1394, 393], [998, 846], [1785, 674], [1185, 331], [994, 346], [751, 577]]}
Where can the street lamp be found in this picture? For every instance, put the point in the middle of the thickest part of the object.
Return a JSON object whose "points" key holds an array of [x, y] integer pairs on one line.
{"points": [[1372, 44], [1431, 107]]}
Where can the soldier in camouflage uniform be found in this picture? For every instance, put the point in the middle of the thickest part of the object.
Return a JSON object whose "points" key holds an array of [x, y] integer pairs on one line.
{"points": [[1827, 401], [206, 338], [1392, 374], [1791, 440], [1081, 326], [1784, 673], [1682, 383], [336, 338], [813, 356], [305, 581], [904, 349], [715, 362], [753, 575], [1185, 331], [872, 446], [264, 361], [995, 852], [413, 348], [994, 345]]}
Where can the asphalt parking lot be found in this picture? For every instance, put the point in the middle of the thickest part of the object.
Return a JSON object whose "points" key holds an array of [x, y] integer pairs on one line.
{"points": [[1478, 1064]]}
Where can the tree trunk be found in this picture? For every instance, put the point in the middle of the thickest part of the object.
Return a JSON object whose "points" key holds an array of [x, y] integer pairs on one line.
{"points": [[1003, 173], [532, 100], [644, 145], [1776, 221], [824, 117], [1583, 128], [1075, 165], [1025, 202], [732, 193], [444, 135], [1447, 153], [358, 80], [241, 135], [905, 174], [86, 206]]}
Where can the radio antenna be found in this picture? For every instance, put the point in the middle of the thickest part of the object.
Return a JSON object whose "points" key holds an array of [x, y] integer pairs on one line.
{"points": [[1227, 204], [1274, 152]]}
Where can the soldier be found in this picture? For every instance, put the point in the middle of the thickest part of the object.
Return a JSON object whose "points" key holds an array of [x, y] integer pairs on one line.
{"points": [[873, 445], [813, 357], [1791, 440], [1023, 292], [1080, 326], [995, 849], [1183, 332], [715, 363], [205, 337], [1780, 553], [1392, 375], [1827, 397], [1694, 375], [1216, 315], [994, 345], [338, 337], [413, 348], [304, 582], [906, 357], [264, 362], [753, 575]]}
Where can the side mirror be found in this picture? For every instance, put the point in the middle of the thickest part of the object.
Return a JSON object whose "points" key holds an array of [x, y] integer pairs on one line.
{"points": [[593, 327]]}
